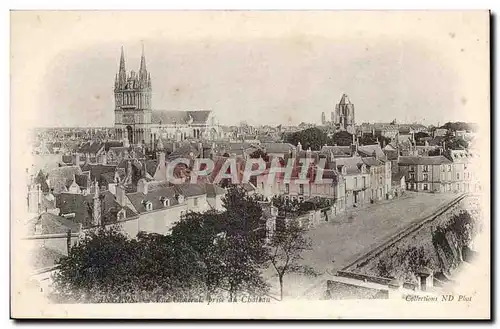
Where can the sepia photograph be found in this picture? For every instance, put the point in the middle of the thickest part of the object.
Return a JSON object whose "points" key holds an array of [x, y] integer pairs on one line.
{"points": [[250, 164]]}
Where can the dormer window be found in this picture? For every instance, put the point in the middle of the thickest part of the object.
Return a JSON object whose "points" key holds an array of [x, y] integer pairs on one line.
{"points": [[148, 205], [344, 171], [165, 201], [180, 198]]}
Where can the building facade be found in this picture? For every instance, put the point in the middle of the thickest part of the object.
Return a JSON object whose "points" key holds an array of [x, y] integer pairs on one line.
{"points": [[138, 123]]}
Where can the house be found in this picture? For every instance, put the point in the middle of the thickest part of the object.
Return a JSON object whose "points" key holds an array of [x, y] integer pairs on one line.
{"points": [[357, 180], [58, 178], [464, 170], [427, 173], [440, 132], [398, 184]]}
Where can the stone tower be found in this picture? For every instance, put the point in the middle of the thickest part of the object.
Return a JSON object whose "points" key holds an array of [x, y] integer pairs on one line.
{"points": [[133, 102], [344, 114]]}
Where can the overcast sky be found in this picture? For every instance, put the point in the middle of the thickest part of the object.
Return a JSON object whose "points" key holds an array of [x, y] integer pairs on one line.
{"points": [[261, 67]]}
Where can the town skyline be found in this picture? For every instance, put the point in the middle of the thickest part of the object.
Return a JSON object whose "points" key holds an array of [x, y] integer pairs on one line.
{"points": [[282, 77]]}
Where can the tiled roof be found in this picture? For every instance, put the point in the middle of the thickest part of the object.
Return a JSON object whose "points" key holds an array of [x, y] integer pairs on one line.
{"points": [[58, 177], [371, 161], [82, 180], [277, 147], [155, 197], [96, 170], [190, 190], [110, 144], [214, 190], [423, 160], [369, 149], [151, 166], [186, 150], [91, 147], [180, 117], [75, 203], [53, 224]]}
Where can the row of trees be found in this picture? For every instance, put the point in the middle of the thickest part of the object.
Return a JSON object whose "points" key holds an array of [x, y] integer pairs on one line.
{"points": [[315, 139], [211, 254]]}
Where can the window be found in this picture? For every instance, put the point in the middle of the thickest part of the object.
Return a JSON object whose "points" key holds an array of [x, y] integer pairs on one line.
{"points": [[426, 176], [412, 168], [412, 176], [364, 182], [148, 205], [287, 188], [355, 181], [301, 189], [426, 168], [443, 169], [380, 180], [195, 202], [449, 168], [426, 187], [458, 175]]}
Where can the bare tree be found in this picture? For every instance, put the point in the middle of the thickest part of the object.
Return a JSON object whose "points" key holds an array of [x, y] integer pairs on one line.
{"points": [[286, 247]]}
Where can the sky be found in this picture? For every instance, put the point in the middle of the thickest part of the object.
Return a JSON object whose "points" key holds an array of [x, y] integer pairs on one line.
{"points": [[259, 67]]}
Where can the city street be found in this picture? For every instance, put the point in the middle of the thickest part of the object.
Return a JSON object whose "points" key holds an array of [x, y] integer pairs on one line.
{"points": [[338, 242]]}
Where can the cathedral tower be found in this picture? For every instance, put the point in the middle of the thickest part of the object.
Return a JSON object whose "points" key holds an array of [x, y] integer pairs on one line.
{"points": [[133, 102], [344, 115]]}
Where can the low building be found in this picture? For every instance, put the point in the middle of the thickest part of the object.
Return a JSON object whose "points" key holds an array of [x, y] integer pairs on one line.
{"points": [[427, 173]]}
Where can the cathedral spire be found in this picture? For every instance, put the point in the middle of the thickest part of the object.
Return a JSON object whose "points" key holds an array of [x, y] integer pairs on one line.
{"points": [[122, 73], [143, 73]]}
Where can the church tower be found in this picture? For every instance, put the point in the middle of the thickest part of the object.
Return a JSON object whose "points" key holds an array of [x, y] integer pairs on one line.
{"points": [[133, 102], [344, 114]]}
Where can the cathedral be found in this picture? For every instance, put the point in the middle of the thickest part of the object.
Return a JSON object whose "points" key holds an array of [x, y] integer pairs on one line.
{"points": [[138, 123]]}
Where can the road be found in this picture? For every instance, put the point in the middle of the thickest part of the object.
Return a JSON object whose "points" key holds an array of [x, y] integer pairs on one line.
{"points": [[337, 243]]}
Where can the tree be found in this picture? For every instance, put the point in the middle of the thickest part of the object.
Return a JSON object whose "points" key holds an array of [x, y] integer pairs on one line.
{"points": [[286, 247], [452, 142], [259, 154], [434, 152], [369, 139], [420, 137], [313, 138], [341, 138], [108, 266], [415, 259]]}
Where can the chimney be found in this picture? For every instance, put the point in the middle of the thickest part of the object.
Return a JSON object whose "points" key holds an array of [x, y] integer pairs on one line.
{"points": [[96, 211], [142, 186], [308, 153], [200, 149], [120, 195], [161, 159]]}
